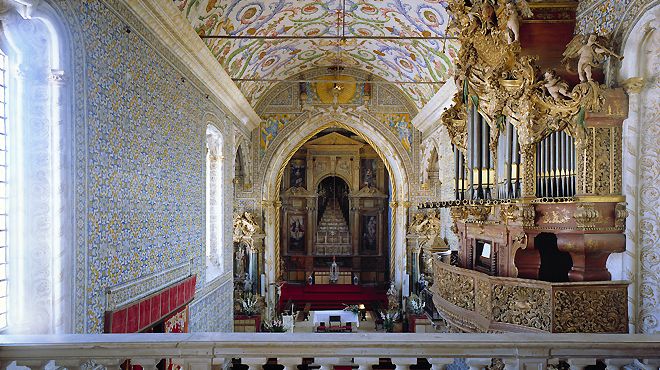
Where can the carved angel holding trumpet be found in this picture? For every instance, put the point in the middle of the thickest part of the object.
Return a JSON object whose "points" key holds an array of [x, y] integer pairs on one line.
{"points": [[589, 51]]}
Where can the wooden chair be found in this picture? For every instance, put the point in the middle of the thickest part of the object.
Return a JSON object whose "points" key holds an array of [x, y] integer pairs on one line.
{"points": [[334, 320]]}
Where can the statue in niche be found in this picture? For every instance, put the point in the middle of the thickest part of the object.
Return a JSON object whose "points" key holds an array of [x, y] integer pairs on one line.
{"points": [[369, 171], [392, 297], [247, 283], [239, 257], [334, 272], [589, 51], [298, 175]]}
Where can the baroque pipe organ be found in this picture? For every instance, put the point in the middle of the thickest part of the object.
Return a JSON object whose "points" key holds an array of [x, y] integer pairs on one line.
{"points": [[538, 206]]}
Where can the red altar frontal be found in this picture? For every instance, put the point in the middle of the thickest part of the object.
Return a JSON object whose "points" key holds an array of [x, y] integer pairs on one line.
{"points": [[331, 296]]}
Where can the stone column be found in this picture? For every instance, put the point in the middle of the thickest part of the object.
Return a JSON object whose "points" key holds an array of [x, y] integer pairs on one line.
{"points": [[413, 256], [631, 147]]}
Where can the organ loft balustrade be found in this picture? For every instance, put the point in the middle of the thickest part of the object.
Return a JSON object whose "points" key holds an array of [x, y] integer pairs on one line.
{"points": [[332, 351]]}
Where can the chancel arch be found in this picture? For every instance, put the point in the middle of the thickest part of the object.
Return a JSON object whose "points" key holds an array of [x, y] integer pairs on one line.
{"points": [[397, 165]]}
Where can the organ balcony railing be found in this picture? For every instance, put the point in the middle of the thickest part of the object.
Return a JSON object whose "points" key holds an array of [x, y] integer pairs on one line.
{"points": [[206, 351]]}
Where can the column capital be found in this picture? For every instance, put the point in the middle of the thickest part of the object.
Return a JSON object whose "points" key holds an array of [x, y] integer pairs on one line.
{"points": [[633, 85]]}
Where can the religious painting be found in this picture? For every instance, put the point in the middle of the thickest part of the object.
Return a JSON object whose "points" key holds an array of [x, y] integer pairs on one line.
{"points": [[269, 129], [401, 124], [369, 233], [368, 173], [298, 174], [296, 229]]}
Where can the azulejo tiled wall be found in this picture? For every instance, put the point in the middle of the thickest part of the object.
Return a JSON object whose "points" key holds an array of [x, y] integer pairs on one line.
{"points": [[212, 310], [612, 18], [140, 152]]}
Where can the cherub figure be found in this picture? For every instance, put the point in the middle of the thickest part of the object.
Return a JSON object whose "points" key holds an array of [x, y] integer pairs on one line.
{"points": [[555, 86], [511, 18], [589, 52]]}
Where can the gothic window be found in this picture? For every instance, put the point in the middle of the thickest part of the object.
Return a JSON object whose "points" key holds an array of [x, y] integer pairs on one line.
{"points": [[3, 191], [214, 202]]}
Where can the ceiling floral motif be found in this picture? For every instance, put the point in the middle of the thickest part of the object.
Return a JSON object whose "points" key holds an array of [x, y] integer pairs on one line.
{"points": [[409, 60]]}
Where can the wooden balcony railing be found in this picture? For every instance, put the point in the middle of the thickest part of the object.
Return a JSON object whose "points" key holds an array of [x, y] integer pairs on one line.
{"points": [[472, 301]]}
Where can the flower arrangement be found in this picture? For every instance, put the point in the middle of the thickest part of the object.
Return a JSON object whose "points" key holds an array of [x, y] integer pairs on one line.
{"points": [[416, 304], [275, 326], [249, 304], [389, 318], [353, 308]]}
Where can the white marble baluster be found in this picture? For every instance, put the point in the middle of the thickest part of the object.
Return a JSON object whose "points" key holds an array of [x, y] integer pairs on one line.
{"points": [[33, 364], [403, 363], [653, 364], [439, 363], [69, 364], [146, 363], [581, 363], [526, 363], [326, 363], [289, 363], [615, 364], [254, 363], [477, 363], [110, 363], [365, 363]]}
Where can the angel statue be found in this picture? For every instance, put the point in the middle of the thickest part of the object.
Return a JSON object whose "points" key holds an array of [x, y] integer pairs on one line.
{"points": [[556, 86], [511, 14], [589, 51]]}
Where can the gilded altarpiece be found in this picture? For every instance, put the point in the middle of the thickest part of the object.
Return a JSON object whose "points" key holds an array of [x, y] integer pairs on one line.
{"points": [[335, 208]]}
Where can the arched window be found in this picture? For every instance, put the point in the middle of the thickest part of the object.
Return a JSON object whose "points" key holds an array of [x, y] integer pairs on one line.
{"points": [[3, 190], [214, 203]]}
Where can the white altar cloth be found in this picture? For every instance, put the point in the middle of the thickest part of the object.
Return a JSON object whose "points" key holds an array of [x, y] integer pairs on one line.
{"points": [[346, 316]]}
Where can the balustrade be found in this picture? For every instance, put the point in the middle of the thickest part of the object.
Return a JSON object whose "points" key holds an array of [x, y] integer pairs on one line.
{"points": [[205, 351]]}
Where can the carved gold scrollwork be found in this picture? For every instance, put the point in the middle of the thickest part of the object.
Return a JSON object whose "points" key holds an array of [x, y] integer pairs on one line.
{"points": [[520, 305], [591, 311], [493, 75]]}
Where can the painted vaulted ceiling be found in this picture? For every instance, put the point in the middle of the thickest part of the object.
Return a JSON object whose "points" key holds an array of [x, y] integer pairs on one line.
{"points": [[396, 60]]}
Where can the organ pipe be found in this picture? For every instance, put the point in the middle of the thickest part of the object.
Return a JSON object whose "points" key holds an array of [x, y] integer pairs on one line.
{"points": [[555, 166]]}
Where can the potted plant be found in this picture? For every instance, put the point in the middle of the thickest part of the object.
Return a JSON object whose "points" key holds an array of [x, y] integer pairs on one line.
{"points": [[249, 304], [416, 305], [416, 312], [274, 326], [389, 319], [353, 308]]}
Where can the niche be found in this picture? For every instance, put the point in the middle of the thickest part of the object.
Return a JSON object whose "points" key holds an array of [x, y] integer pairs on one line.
{"points": [[555, 264]]}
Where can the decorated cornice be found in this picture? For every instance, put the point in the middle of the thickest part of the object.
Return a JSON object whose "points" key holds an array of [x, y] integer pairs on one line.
{"points": [[173, 30]]}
